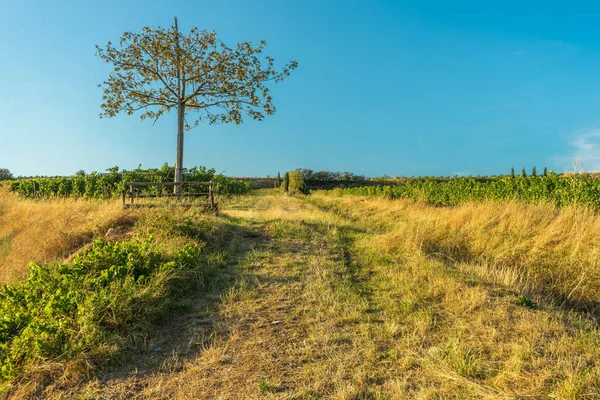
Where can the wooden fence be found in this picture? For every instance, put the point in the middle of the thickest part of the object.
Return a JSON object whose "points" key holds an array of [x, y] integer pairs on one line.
{"points": [[180, 199]]}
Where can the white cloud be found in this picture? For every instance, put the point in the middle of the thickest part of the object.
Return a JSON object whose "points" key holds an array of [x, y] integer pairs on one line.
{"points": [[586, 148]]}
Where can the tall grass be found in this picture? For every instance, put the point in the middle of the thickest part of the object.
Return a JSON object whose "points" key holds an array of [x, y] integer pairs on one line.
{"points": [[537, 247], [50, 231]]}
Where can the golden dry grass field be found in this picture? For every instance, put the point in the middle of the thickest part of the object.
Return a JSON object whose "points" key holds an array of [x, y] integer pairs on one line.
{"points": [[48, 231], [326, 297]]}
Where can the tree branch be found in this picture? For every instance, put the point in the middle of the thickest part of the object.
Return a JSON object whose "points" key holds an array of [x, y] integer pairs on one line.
{"points": [[159, 76]]}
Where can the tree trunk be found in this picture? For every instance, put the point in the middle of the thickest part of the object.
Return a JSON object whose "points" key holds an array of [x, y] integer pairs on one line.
{"points": [[180, 118], [179, 153]]}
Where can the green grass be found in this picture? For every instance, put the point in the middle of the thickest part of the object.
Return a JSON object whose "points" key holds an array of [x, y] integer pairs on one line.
{"points": [[5, 243]]}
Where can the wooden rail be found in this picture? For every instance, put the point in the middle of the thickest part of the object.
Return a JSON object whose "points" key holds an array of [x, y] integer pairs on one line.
{"points": [[133, 194]]}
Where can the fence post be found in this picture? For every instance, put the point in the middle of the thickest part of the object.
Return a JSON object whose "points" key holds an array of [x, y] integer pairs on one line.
{"points": [[211, 195]]}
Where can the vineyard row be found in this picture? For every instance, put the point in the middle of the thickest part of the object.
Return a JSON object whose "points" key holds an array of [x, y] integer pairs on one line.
{"points": [[560, 190], [111, 184]]}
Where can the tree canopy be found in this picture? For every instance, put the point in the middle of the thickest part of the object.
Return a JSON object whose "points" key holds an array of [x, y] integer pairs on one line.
{"points": [[161, 69], [5, 174]]}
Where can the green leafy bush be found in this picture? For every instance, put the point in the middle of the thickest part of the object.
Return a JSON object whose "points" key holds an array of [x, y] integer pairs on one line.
{"points": [[229, 186], [296, 182], [526, 302], [93, 306]]}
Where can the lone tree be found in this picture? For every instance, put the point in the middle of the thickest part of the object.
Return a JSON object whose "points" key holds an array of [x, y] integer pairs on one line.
{"points": [[159, 70]]}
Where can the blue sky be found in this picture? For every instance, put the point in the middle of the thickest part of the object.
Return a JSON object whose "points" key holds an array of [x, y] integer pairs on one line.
{"points": [[383, 87]]}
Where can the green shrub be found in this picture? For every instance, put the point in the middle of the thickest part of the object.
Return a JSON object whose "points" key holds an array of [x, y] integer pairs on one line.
{"points": [[526, 302], [296, 183], [93, 306], [228, 186]]}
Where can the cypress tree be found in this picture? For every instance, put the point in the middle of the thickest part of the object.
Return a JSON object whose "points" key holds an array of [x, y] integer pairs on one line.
{"points": [[523, 173], [512, 172], [533, 171], [286, 182], [545, 171]]}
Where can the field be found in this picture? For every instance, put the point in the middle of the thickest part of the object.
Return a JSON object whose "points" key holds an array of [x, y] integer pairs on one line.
{"points": [[332, 295]]}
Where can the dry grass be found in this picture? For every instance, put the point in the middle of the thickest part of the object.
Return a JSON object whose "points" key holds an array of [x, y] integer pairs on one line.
{"points": [[537, 248], [49, 231], [448, 282], [350, 298]]}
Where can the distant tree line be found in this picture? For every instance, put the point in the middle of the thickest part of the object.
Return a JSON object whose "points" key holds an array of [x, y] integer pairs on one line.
{"points": [[5, 174], [302, 180]]}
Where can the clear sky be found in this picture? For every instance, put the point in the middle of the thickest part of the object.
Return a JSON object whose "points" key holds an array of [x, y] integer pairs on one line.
{"points": [[383, 87]]}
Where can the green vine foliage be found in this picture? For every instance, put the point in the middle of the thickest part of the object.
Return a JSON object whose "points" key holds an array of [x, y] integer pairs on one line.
{"points": [[579, 190], [112, 183], [93, 306]]}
